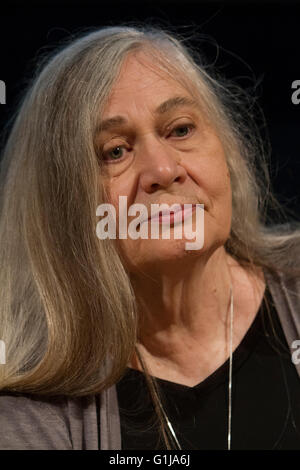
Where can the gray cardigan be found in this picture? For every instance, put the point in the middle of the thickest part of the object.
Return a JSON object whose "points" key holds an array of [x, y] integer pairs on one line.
{"points": [[30, 422]]}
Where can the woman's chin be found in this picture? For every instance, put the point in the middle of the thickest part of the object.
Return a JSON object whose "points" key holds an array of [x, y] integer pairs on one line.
{"points": [[159, 253]]}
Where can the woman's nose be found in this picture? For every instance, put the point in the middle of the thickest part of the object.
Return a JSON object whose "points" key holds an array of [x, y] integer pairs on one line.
{"points": [[159, 166]]}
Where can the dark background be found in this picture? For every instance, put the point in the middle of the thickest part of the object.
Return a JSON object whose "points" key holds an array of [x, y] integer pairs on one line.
{"points": [[256, 44]]}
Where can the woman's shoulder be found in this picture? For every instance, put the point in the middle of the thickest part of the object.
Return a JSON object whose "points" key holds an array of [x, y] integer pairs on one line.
{"points": [[36, 422]]}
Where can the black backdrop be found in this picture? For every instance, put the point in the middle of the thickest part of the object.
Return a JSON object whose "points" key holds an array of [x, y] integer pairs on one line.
{"points": [[258, 43]]}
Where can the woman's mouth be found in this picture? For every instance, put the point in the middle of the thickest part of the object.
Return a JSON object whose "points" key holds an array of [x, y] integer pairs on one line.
{"points": [[173, 217]]}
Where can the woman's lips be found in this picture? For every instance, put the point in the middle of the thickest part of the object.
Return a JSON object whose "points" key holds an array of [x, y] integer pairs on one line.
{"points": [[173, 217]]}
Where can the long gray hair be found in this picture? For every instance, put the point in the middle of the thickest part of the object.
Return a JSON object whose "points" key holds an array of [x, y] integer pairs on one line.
{"points": [[66, 299]]}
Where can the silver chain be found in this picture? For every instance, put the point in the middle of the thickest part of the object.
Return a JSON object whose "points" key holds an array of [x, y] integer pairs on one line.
{"points": [[169, 424], [230, 373]]}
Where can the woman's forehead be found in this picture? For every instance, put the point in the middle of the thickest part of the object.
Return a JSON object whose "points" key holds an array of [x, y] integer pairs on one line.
{"points": [[141, 81], [138, 76]]}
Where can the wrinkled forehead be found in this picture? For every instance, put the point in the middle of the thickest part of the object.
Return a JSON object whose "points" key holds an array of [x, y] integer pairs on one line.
{"points": [[142, 80]]}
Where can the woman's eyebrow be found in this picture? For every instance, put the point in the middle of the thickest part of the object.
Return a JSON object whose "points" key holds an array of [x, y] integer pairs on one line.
{"points": [[165, 107], [175, 102], [114, 121]]}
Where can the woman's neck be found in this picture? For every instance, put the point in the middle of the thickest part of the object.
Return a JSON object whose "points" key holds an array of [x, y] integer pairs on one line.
{"points": [[184, 315]]}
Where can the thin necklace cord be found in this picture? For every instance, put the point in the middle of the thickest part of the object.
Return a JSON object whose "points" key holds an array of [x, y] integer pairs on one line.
{"points": [[169, 424]]}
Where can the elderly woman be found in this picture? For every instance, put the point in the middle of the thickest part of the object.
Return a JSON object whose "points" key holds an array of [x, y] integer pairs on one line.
{"points": [[139, 342]]}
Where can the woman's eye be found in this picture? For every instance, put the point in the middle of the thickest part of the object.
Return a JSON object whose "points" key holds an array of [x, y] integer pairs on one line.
{"points": [[114, 154], [181, 131]]}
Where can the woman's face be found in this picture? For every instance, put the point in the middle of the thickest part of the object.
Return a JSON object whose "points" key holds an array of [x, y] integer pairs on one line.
{"points": [[158, 148]]}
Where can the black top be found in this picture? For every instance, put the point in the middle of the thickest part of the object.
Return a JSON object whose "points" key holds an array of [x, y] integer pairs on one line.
{"points": [[265, 398]]}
